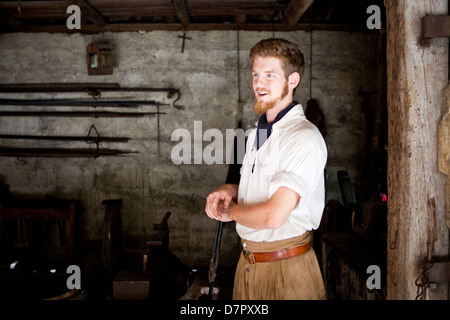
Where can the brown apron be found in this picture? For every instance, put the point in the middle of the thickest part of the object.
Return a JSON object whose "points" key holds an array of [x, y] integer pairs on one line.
{"points": [[296, 278]]}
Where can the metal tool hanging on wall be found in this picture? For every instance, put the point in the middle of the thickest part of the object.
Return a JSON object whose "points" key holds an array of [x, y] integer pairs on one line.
{"points": [[92, 114], [93, 89], [97, 139], [64, 152], [94, 103], [61, 152]]}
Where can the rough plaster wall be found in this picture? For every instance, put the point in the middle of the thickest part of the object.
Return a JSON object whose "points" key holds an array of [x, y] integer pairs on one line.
{"points": [[343, 66], [206, 74]]}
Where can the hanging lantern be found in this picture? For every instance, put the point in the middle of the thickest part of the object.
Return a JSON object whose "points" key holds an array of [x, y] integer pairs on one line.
{"points": [[99, 59]]}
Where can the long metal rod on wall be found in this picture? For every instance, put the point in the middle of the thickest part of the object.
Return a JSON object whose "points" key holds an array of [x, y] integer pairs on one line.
{"points": [[119, 103], [93, 89], [57, 87], [94, 114], [61, 152], [92, 139]]}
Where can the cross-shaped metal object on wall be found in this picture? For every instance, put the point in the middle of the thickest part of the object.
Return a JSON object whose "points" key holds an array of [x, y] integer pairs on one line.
{"points": [[184, 39]]}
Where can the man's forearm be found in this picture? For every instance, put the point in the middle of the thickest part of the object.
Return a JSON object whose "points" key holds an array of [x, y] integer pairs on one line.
{"points": [[271, 214]]}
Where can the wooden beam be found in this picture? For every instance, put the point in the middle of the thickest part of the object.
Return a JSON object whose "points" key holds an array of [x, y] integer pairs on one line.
{"points": [[90, 13], [9, 20], [295, 10], [139, 9], [182, 11], [240, 18], [123, 27]]}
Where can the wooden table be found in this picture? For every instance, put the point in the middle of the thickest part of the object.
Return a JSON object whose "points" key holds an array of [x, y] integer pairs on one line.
{"points": [[41, 211]]}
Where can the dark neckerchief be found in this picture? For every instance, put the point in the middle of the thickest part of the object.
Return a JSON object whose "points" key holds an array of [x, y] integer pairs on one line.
{"points": [[264, 129]]}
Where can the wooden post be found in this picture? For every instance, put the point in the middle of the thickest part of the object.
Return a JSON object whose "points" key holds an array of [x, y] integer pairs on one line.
{"points": [[417, 76]]}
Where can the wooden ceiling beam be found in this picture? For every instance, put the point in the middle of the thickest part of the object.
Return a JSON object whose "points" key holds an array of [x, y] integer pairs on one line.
{"points": [[33, 7], [136, 15], [130, 27], [218, 11], [89, 12], [181, 10], [295, 10], [42, 10]]}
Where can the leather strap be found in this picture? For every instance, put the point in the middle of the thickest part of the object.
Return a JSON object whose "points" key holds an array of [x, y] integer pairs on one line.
{"points": [[256, 257]]}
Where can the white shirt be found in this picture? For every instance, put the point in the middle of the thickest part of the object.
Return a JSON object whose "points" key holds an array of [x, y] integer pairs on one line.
{"points": [[293, 156]]}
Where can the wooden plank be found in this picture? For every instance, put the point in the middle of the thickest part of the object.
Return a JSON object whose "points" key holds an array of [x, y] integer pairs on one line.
{"points": [[99, 10], [416, 77], [124, 27], [89, 12], [34, 8]]}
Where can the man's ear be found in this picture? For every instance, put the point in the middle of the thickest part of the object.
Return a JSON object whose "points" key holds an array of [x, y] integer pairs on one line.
{"points": [[294, 80]]}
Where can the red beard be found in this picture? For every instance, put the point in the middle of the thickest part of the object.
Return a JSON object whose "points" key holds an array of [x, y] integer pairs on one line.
{"points": [[262, 107]]}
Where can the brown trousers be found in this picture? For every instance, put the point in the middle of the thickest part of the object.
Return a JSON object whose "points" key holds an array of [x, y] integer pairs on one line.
{"points": [[296, 278]]}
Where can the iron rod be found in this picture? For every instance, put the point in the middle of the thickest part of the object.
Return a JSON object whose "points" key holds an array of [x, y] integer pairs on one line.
{"points": [[119, 103], [215, 256], [93, 89], [60, 152], [65, 138], [95, 114], [57, 87]]}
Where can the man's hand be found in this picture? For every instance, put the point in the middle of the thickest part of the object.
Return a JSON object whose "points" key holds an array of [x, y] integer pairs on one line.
{"points": [[225, 211], [218, 202]]}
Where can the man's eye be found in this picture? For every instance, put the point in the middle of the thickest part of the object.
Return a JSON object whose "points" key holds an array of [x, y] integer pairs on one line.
{"points": [[254, 75]]}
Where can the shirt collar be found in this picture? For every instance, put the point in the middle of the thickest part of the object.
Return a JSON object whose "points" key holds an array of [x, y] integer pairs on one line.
{"points": [[264, 129], [263, 119]]}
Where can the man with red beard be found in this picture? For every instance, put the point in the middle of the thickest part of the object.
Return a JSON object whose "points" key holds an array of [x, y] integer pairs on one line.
{"points": [[281, 193]]}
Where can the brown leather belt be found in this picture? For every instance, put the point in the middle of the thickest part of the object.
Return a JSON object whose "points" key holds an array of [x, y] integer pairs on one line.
{"points": [[254, 257]]}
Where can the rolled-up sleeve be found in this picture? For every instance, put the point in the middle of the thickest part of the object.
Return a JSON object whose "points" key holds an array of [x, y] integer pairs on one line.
{"points": [[289, 180]]}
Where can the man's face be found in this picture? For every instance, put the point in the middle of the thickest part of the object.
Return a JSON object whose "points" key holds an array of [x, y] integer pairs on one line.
{"points": [[269, 84]]}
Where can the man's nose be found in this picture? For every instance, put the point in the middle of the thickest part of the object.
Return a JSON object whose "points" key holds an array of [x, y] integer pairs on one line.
{"points": [[258, 82]]}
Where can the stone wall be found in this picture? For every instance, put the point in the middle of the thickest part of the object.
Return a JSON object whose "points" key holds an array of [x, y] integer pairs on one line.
{"points": [[206, 73]]}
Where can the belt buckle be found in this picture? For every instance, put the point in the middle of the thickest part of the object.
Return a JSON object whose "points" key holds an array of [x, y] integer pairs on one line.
{"points": [[249, 256]]}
